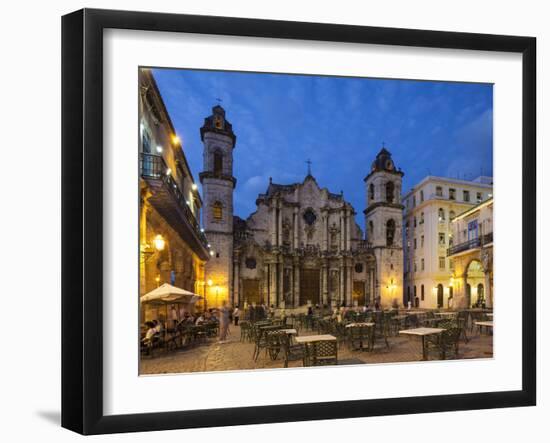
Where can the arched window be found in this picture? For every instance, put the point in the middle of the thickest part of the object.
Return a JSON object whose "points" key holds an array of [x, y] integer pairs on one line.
{"points": [[390, 232], [371, 230], [217, 210], [451, 215], [421, 218], [371, 192], [422, 292], [218, 162], [441, 214], [390, 191]]}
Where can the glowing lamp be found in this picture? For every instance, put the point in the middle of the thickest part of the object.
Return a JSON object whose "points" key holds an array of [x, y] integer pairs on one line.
{"points": [[159, 242]]}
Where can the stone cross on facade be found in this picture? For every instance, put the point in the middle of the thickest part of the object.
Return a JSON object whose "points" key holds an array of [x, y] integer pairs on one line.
{"points": [[308, 161]]}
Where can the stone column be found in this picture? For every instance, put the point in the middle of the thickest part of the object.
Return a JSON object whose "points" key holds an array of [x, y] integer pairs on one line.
{"points": [[341, 293], [280, 225], [296, 286], [274, 223], [164, 269], [373, 293], [325, 272], [325, 229], [280, 292], [348, 246], [295, 227], [291, 288], [349, 285], [273, 285], [342, 234], [236, 280], [465, 302], [143, 240], [488, 292], [266, 283]]}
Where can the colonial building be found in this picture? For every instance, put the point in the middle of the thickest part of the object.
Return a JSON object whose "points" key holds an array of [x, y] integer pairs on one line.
{"points": [[429, 209], [302, 245], [172, 247], [472, 257]]}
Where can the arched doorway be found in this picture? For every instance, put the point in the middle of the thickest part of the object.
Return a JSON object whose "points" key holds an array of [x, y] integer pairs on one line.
{"points": [[439, 295], [475, 291]]}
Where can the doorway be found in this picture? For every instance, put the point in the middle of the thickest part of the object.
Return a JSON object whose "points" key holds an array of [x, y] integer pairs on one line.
{"points": [[251, 291], [439, 295], [309, 286]]}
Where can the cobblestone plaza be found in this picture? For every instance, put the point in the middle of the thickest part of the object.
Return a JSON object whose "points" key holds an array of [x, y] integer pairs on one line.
{"points": [[237, 355]]}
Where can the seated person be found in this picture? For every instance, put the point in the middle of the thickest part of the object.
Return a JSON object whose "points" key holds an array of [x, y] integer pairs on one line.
{"points": [[151, 331]]}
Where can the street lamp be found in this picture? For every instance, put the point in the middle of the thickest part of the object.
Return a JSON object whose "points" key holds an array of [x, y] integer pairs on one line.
{"points": [[158, 245]]}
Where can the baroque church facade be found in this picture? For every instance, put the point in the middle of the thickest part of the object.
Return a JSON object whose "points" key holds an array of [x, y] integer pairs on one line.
{"points": [[302, 245]]}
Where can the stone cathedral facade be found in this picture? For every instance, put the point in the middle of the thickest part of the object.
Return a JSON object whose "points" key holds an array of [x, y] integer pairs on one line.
{"points": [[302, 245]]}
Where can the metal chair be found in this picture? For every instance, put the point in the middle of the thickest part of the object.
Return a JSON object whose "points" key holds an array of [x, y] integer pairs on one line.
{"points": [[324, 353]]}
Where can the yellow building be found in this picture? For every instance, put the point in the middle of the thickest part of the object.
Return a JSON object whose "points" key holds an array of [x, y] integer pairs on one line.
{"points": [[173, 247], [472, 257]]}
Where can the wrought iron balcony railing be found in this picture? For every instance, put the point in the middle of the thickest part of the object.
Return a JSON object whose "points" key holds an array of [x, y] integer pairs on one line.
{"points": [[471, 244], [154, 167]]}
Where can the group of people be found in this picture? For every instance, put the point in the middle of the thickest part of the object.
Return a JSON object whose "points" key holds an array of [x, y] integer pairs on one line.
{"points": [[224, 316]]}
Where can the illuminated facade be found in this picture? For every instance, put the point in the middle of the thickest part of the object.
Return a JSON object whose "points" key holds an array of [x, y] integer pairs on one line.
{"points": [[302, 245], [472, 257], [430, 208], [173, 249]]}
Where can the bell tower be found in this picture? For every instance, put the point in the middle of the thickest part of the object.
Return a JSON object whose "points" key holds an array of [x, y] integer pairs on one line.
{"points": [[383, 225], [218, 184]]}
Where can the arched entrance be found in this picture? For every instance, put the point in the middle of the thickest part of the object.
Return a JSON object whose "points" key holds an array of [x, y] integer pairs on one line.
{"points": [[439, 295], [475, 278]]}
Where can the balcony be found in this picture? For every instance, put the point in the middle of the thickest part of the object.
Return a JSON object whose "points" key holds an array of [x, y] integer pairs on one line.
{"points": [[167, 198], [474, 243], [364, 246]]}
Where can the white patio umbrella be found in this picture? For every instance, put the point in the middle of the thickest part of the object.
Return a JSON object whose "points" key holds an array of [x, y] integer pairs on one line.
{"points": [[166, 294]]}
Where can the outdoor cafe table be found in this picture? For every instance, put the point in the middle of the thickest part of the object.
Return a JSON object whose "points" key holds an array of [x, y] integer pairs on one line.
{"points": [[422, 332], [446, 314], [359, 325], [487, 324], [305, 339], [289, 331]]}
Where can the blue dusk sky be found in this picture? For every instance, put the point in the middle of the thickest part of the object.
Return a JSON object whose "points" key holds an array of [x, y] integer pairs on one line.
{"points": [[340, 123]]}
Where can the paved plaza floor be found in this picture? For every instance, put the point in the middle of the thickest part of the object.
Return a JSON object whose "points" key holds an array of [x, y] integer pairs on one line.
{"points": [[236, 355]]}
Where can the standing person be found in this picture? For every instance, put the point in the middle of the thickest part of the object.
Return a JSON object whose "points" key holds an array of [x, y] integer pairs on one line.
{"points": [[224, 322], [236, 315], [174, 314]]}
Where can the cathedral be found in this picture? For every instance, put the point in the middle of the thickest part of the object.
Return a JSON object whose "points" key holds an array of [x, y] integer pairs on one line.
{"points": [[302, 245]]}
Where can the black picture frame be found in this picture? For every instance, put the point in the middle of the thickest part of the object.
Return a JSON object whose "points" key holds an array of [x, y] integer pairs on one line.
{"points": [[82, 230]]}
